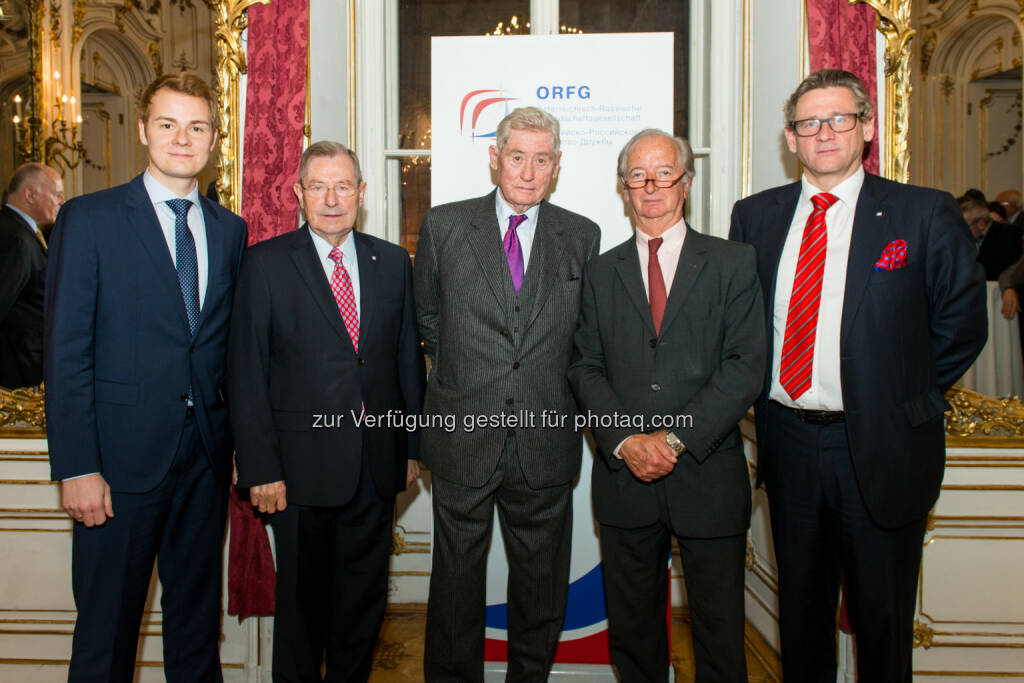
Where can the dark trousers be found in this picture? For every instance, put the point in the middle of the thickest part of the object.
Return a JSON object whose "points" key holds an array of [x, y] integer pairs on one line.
{"points": [[180, 524], [636, 575], [823, 531], [536, 525], [332, 579]]}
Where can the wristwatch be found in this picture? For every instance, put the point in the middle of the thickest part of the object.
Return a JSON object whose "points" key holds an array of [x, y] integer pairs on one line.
{"points": [[674, 443]]}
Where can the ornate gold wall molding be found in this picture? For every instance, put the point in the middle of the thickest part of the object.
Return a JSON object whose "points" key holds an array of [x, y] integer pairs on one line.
{"points": [[230, 20], [975, 415], [21, 412], [894, 24]]}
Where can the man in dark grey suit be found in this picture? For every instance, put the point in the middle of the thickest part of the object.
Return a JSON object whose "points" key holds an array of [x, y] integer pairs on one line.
{"points": [[671, 331], [34, 196], [498, 282]]}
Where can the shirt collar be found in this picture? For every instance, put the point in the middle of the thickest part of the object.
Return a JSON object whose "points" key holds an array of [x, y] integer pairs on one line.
{"points": [[348, 248], [847, 191], [159, 193], [33, 226], [504, 211], [672, 238]]}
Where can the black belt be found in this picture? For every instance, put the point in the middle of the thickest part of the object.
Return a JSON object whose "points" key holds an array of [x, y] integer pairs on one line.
{"points": [[815, 417]]}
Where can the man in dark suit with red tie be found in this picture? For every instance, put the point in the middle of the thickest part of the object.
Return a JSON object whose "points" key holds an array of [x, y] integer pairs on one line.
{"points": [[324, 372], [875, 306], [139, 289]]}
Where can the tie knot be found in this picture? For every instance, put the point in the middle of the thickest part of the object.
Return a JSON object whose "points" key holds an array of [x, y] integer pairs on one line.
{"points": [[823, 201], [515, 221], [654, 244], [180, 207], [336, 255]]}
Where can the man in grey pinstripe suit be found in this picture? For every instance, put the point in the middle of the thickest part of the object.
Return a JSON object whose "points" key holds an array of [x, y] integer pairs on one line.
{"points": [[497, 301]]}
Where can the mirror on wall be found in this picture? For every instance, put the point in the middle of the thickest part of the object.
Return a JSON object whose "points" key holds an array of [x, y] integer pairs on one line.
{"points": [[71, 72]]}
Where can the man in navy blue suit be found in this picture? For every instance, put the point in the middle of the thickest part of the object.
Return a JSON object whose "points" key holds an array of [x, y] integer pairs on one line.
{"points": [[874, 307], [139, 294]]}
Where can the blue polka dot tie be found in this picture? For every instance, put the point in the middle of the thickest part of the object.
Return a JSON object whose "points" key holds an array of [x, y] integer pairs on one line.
{"points": [[185, 257]]}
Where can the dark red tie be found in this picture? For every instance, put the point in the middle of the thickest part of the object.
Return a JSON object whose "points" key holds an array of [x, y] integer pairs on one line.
{"points": [[802, 319], [655, 284]]}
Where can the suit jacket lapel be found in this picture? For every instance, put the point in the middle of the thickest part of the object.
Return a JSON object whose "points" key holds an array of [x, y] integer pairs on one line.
{"points": [[483, 238], [691, 261], [305, 259], [866, 244], [216, 260], [369, 276], [628, 268], [142, 216], [547, 252]]}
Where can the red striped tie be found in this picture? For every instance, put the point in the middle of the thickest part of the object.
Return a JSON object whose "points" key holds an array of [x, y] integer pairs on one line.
{"points": [[802, 319]]}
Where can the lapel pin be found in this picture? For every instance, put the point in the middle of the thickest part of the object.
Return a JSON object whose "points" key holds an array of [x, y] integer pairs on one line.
{"points": [[374, 258], [879, 213]]}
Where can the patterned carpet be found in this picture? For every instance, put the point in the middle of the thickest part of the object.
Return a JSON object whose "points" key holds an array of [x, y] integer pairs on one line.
{"points": [[399, 655]]}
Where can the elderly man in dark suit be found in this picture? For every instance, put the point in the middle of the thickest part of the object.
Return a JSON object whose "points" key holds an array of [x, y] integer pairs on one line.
{"points": [[139, 292], [998, 243], [34, 196], [498, 282], [671, 332], [324, 369], [875, 305]]}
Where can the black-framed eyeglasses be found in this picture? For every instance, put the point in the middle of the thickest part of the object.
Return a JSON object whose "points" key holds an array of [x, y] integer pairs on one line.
{"points": [[839, 123], [641, 183]]}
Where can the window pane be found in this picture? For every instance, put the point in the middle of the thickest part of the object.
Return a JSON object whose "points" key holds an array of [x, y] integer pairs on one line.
{"points": [[418, 21], [615, 16]]}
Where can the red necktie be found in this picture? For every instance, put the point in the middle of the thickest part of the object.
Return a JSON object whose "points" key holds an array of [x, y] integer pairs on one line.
{"points": [[341, 285], [655, 284], [802, 319]]}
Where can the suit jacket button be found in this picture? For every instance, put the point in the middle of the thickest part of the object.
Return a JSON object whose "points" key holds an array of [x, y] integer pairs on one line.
{"points": [[655, 387], [515, 366], [653, 343], [361, 360], [192, 349]]}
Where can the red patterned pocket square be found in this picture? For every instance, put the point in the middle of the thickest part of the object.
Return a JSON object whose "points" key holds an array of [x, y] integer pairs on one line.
{"points": [[894, 256]]}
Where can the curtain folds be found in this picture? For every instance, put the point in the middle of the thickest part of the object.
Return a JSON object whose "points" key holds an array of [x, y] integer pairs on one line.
{"points": [[842, 36]]}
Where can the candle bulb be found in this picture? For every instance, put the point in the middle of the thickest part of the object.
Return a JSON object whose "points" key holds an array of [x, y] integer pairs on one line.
{"points": [[16, 119], [17, 105]]}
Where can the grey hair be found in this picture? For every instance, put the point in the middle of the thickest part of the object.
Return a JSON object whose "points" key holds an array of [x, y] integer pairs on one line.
{"points": [[528, 118], [328, 149], [973, 209], [830, 78], [27, 173], [683, 150]]}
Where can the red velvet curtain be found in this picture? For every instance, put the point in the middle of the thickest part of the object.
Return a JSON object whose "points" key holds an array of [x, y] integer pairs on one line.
{"points": [[275, 114], [842, 36]]}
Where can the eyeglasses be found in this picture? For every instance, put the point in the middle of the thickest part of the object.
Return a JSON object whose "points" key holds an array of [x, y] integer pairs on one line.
{"points": [[840, 123], [641, 183], [321, 190]]}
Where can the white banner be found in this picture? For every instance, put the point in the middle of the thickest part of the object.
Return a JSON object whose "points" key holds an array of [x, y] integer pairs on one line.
{"points": [[603, 88]]}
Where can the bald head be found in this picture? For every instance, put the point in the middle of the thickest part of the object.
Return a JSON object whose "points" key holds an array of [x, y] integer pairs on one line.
{"points": [[1011, 200], [37, 190]]}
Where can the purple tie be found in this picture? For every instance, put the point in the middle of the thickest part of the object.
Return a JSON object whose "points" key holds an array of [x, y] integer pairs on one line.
{"points": [[514, 251]]}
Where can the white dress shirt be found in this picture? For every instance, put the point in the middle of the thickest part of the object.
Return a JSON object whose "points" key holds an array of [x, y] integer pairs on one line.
{"points": [[160, 195], [826, 392], [349, 259], [526, 230], [668, 254]]}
